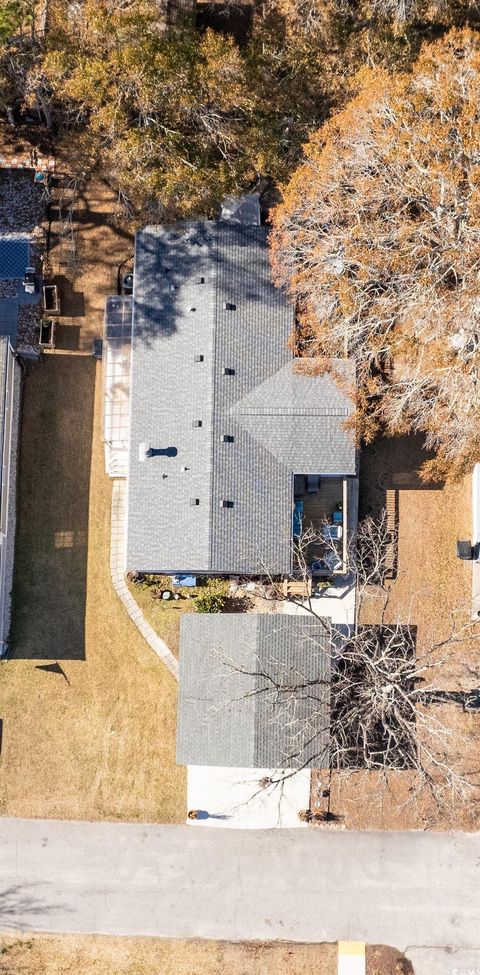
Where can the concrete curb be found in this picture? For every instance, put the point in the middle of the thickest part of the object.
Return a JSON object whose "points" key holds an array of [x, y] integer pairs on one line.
{"points": [[117, 571], [351, 958]]}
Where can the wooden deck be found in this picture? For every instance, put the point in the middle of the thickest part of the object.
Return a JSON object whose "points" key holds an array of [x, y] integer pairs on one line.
{"points": [[318, 509]]}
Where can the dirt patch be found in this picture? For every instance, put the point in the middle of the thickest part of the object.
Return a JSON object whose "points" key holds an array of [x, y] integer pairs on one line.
{"points": [[102, 244], [381, 960], [80, 955]]}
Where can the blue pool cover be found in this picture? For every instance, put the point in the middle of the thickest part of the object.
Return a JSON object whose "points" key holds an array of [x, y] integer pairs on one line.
{"points": [[14, 257]]}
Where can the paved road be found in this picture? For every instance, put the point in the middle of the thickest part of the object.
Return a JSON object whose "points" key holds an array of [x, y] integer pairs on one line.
{"points": [[418, 891]]}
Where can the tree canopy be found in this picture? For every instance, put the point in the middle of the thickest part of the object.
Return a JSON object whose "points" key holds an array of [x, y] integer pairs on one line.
{"points": [[378, 241], [175, 116]]}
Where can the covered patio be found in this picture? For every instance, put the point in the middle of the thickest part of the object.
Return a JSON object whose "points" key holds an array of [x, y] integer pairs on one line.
{"points": [[320, 519]]}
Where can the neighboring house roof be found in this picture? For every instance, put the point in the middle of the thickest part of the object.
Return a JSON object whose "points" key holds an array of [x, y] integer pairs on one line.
{"points": [[254, 691], [209, 344]]}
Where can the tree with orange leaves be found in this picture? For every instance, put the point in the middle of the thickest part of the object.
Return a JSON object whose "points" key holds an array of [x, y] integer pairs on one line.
{"points": [[378, 241]]}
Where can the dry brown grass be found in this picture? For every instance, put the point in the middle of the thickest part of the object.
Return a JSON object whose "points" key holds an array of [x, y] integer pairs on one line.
{"points": [[83, 955], [98, 741], [431, 584], [164, 615]]}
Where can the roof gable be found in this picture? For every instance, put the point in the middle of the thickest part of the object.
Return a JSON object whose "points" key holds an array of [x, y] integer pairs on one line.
{"points": [[216, 398]]}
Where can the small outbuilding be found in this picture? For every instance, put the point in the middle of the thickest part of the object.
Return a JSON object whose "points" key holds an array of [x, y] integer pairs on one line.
{"points": [[253, 715]]}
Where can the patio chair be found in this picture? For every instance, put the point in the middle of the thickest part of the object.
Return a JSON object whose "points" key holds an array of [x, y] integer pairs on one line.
{"points": [[312, 483], [332, 532]]}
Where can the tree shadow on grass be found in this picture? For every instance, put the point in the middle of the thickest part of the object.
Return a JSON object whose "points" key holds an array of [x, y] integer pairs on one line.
{"points": [[392, 464], [49, 594]]}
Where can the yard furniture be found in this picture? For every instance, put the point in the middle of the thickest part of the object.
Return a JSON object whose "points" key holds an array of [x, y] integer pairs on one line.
{"points": [[29, 281], [312, 483], [337, 517], [297, 519], [329, 563], [332, 533], [299, 588]]}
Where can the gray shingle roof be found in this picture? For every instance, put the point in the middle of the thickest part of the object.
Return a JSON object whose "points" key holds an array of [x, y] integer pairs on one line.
{"points": [[248, 691], [205, 290]]}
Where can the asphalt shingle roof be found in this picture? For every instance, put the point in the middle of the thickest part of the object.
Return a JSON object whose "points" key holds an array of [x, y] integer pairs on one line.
{"points": [[254, 691], [209, 344]]}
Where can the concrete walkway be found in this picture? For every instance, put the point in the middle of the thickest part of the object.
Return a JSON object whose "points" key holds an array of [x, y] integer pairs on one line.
{"points": [[117, 569], [416, 891]]}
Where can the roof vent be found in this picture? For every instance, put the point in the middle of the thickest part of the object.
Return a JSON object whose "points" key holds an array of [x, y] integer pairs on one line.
{"points": [[192, 308], [229, 306], [227, 438], [199, 280], [194, 502], [144, 451], [196, 423], [227, 504], [198, 358], [228, 371]]}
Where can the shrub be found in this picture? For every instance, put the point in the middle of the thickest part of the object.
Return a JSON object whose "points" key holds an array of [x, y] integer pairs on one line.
{"points": [[212, 597]]}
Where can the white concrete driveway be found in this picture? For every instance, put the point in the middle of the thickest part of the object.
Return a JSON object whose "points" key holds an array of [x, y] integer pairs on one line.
{"points": [[417, 891]]}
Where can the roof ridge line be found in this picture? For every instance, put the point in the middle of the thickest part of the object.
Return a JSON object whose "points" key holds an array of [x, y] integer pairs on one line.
{"points": [[213, 386]]}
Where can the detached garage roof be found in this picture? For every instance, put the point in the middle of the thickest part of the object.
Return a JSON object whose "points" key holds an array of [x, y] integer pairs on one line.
{"points": [[254, 691], [220, 419]]}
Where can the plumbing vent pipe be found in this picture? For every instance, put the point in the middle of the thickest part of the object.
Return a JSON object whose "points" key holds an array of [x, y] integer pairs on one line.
{"points": [[144, 451]]}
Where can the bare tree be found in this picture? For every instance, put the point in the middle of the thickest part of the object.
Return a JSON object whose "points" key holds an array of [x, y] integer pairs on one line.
{"points": [[387, 698]]}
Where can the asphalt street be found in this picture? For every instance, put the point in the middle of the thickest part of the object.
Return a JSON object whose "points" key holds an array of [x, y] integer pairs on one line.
{"points": [[417, 891]]}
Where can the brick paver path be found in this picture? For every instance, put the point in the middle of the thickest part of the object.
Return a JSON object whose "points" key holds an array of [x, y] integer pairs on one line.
{"points": [[117, 569]]}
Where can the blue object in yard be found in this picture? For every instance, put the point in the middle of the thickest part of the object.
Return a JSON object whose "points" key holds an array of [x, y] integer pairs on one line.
{"points": [[184, 580], [297, 519], [338, 517], [14, 258]]}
